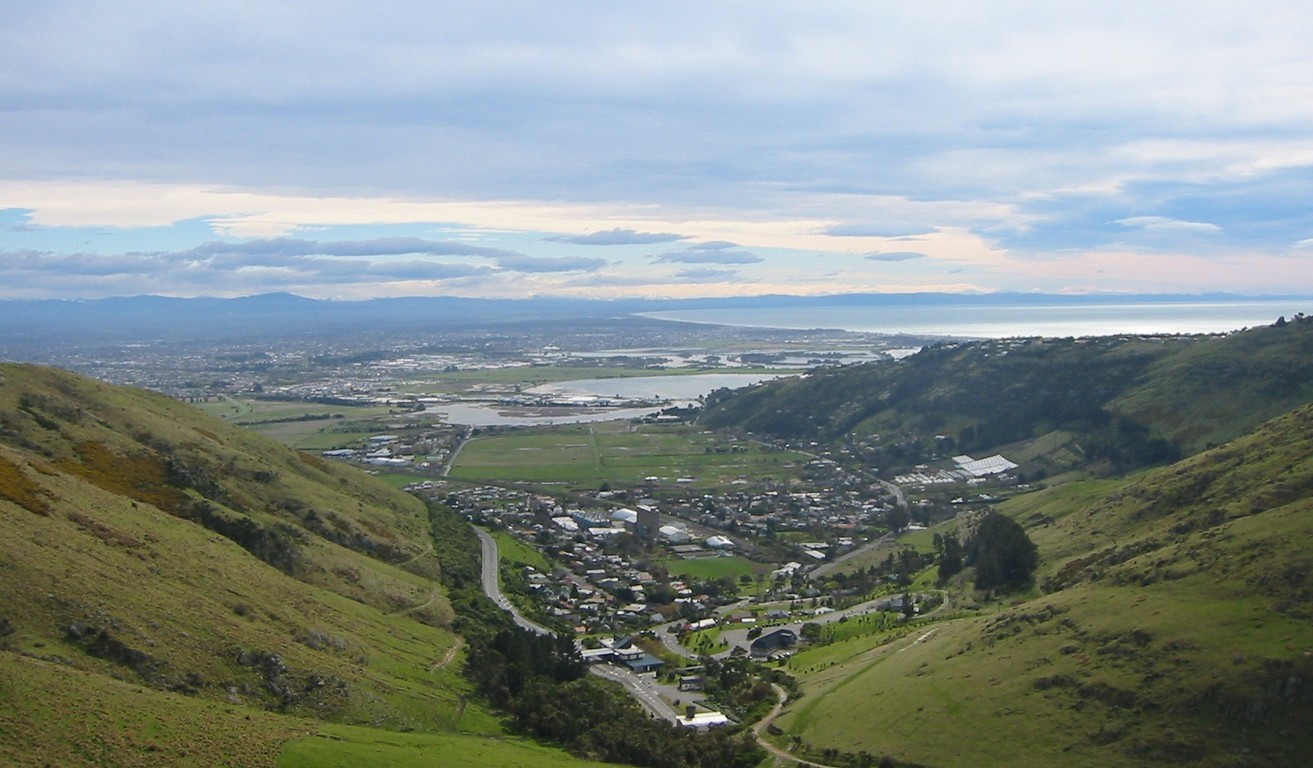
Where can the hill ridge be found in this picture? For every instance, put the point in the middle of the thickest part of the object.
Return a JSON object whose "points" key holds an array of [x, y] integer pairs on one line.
{"points": [[143, 541]]}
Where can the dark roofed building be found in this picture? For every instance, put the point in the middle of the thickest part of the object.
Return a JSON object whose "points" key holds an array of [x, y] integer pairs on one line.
{"points": [[775, 641], [645, 663]]}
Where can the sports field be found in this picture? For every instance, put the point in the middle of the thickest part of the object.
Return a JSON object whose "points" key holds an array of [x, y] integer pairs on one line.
{"points": [[622, 454]]}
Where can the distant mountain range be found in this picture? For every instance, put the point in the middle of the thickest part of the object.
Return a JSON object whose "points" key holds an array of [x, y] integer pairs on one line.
{"points": [[147, 317]]}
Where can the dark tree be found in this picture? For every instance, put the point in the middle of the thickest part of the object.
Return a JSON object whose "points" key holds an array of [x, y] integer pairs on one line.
{"points": [[949, 550], [1004, 556], [897, 518]]}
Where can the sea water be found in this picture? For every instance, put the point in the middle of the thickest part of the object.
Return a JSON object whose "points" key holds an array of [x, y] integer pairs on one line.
{"points": [[1008, 320]]}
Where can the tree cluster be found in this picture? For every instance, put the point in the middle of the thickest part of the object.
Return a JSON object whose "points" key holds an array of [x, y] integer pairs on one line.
{"points": [[1003, 555], [542, 685], [950, 553]]}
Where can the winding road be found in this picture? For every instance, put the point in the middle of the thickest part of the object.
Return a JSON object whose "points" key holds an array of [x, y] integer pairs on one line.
{"points": [[780, 698], [492, 584], [637, 686]]}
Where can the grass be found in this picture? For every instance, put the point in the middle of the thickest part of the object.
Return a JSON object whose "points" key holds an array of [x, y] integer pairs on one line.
{"points": [[52, 714], [118, 597], [921, 541], [1176, 605], [116, 723], [619, 454], [349, 747], [510, 549], [353, 610], [708, 568], [302, 425]]}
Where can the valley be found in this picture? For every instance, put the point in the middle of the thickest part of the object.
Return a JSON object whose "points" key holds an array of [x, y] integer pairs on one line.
{"points": [[804, 560]]}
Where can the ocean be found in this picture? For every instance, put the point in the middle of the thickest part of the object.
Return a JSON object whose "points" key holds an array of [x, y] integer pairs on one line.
{"points": [[1009, 320]]}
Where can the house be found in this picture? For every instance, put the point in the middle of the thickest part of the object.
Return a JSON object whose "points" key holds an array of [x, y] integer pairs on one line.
{"points": [[774, 642], [644, 663], [596, 655], [704, 720]]}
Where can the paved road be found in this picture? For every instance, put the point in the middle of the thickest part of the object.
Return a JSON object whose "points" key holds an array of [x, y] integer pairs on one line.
{"points": [[642, 688], [639, 687], [835, 564], [492, 584], [451, 460]]}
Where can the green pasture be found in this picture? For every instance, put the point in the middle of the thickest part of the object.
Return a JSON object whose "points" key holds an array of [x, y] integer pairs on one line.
{"points": [[344, 746], [620, 454], [307, 426], [709, 568], [512, 550]]}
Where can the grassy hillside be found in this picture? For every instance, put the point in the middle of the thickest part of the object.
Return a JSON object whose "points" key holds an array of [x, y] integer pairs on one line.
{"points": [[161, 570], [1172, 624], [1114, 403], [119, 723]]}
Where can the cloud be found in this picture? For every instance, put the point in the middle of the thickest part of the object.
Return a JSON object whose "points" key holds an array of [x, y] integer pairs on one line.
{"points": [[707, 275], [1261, 212], [714, 252], [1164, 223], [274, 264], [619, 237], [383, 246], [877, 230], [175, 266], [800, 130], [299, 253], [522, 263], [892, 256]]}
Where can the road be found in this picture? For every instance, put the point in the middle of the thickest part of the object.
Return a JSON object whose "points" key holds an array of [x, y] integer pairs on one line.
{"points": [[641, 687], [739, 636], [492, 584], [780, 698], [451, 460], [833, 565], [838, 562]]}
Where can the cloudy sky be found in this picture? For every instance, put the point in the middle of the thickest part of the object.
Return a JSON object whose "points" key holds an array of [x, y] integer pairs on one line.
{"points": [[352, 149]]}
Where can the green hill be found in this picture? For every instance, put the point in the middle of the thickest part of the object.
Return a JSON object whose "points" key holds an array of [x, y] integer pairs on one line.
{"points": [[1172, 624], [174, 590], [1110, 403]]}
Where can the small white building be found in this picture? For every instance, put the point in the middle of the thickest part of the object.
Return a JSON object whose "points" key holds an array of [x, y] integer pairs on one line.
{"points": [[704, 720]]}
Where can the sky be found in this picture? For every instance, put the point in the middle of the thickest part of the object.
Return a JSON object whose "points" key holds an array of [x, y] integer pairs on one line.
{"points": [[351, 150]]}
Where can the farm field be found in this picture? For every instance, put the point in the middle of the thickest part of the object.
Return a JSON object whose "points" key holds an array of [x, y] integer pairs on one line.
{"points": [[306, 426], [621, 454]]}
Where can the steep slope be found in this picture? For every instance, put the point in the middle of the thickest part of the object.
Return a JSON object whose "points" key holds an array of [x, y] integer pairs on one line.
{"points": [[1117, 402], [1174, 625], [143, 542], [1209, 393]]}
